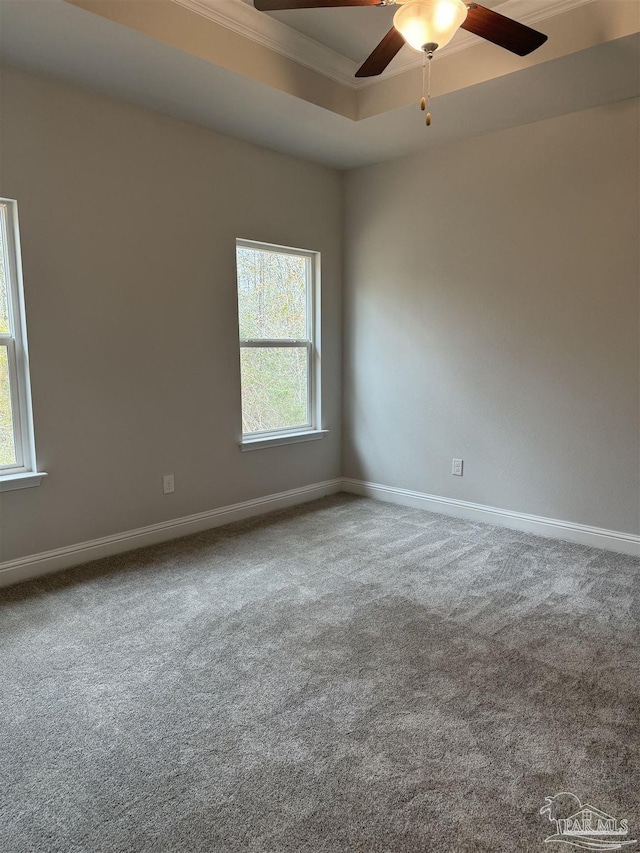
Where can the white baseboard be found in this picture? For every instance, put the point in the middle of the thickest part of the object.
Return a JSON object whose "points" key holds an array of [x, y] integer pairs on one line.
{"points": [[597, 537], [13, 571], [34, 565]]}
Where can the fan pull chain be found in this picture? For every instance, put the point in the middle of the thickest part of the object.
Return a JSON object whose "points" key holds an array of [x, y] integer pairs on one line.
{"points": [[428, 119], [427, 53]]}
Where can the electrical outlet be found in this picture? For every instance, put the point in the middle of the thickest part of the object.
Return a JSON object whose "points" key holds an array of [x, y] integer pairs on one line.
{"points": [[456, 467], [168, 485]]}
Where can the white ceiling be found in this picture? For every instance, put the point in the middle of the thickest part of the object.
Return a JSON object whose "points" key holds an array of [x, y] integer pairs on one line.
{"points": [[57, 39], [352, 32]]}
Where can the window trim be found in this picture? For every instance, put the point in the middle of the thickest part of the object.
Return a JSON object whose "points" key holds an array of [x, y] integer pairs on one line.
{"points": [[23, 472], [285, 438], [313, 429]]}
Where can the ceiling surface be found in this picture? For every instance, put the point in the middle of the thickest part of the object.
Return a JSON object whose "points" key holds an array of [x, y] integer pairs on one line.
{"points": [[55, 38], [352, 32]]}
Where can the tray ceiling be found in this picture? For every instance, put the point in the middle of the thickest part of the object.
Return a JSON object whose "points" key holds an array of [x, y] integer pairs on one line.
{"points": [[336, 41], [352, 32], [268, 86]]}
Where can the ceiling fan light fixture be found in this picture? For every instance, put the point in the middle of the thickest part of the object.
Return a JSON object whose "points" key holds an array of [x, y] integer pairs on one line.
{"points": [[429, 22]]}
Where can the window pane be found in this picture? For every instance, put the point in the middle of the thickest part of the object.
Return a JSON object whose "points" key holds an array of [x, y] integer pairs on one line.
{"points": [[274, 388], [272, 294], [4, 302], [7, 447]]}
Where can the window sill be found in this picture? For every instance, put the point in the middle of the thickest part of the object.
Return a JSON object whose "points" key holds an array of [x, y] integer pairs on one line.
{"points": [[10, 482], [286, 438]]}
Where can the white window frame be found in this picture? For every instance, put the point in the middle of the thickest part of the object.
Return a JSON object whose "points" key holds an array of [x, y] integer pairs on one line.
{"points": [[313, 429], [23, 472]]}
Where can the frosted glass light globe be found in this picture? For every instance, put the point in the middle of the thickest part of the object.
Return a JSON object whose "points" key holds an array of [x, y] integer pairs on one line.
{"points": [[424, 22]]}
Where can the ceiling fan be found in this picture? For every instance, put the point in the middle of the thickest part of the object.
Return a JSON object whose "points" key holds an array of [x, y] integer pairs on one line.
{"points": [[426, 25]]}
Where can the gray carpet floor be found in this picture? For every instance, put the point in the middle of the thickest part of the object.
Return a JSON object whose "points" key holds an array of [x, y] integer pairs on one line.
{"points": [[343, 676]]}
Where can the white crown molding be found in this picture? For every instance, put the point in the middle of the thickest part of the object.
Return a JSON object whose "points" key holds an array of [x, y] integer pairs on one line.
{"points": [[34, 565], [553, 528], [244, 19], [241, 18]]}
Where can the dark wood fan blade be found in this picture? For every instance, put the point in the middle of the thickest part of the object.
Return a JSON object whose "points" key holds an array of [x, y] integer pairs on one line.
{"points": [[502, 31], [377, 61], [277, 5]]}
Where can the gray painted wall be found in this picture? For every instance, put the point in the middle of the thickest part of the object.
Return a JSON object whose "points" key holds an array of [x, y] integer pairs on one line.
{"points": [[128, 222], [491, 313]]}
